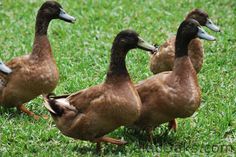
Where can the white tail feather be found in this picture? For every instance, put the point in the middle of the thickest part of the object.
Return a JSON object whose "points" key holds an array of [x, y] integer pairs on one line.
{"points": [[60, 102], [64, 102]]}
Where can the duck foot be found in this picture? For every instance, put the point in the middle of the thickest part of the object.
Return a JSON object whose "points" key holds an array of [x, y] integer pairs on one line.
{"points": [[23, 109], [45, 116], [173, 125]]}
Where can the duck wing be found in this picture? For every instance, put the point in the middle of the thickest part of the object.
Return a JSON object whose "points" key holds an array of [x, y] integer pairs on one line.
{"points": [[83, 99], [77, 102], [15, 65]]}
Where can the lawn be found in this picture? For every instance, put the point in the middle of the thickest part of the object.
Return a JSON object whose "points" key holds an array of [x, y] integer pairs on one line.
{"points": [[82, 53]]}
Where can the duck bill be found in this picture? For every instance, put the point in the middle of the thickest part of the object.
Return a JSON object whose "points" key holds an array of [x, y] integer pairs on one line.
{"points": [[66, 17], [5, 69], [49, 108], [212, 26], [146, 46], [202, 34], [47, 105]]}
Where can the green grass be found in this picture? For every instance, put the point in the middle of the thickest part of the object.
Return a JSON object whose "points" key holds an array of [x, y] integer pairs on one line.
{"points": [[82, 53]]}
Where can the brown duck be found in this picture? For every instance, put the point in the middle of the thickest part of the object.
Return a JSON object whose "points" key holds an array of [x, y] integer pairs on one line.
{"points": [[172, 94], [92, 113], [163, 59], [36, 73]]}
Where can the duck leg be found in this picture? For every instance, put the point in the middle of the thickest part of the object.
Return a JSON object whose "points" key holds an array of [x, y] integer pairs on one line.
{"points": [[22, 108], [107, 140], [150, 134], [173, 125], [110, 140]]}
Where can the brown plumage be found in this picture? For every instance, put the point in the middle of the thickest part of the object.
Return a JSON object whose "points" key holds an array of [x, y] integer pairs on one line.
{"points": [[173, 94], [163, 59], [36, 73], [92, 113]]}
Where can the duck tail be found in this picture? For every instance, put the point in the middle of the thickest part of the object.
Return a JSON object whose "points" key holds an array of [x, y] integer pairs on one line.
{"points": [[52, 105]]}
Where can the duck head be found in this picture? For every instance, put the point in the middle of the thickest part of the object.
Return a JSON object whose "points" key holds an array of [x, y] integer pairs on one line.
{"points": [[129, 39], [203, 19], [190, 29], [53, 10], [123, 42], [4, 69]]}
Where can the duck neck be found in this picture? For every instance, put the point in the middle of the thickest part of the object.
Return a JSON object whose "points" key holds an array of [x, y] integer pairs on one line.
{"points": [[182, 63], [196, 53], [117, 68], [42, 23], [181, 46], [41, 46]]}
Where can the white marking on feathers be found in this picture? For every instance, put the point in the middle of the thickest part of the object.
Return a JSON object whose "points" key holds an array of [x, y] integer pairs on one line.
{"points": [[65, 102], [60, 102]]}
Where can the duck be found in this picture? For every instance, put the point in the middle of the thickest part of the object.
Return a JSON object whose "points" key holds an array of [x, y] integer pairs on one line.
{"points": [[163, 59], [4, 69], [172, 94], [36, 73], [91, 113]]}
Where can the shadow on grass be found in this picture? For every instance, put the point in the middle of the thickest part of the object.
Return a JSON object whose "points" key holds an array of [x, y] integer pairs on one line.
{"points": [[161, 136], [84, 149], [9, 112], [136, 140], [105, 150], [13, 113]]}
